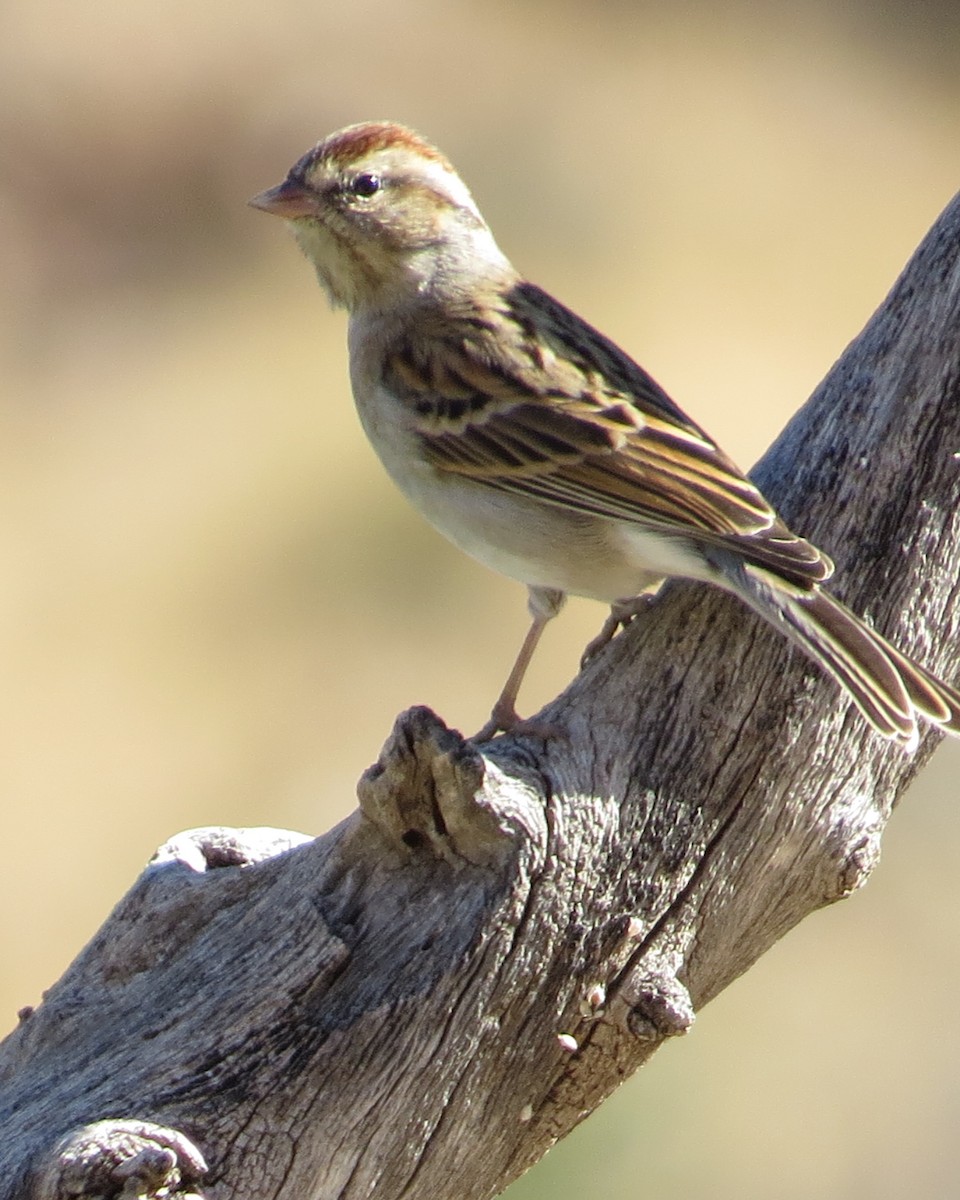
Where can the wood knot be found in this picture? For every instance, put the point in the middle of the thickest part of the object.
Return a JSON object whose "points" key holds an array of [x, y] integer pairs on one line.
{"points": [[119, 1158], [658, 1006], [432, 791], [213, 847]]}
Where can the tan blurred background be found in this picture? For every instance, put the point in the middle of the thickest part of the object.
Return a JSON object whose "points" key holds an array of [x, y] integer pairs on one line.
{"points": [[213, 604]]}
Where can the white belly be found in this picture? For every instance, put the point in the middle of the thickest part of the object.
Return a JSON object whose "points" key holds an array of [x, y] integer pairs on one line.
{"points": [[539, 544]]}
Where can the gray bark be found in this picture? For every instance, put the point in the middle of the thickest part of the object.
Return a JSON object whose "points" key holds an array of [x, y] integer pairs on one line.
{"points": [[420, 1002]]}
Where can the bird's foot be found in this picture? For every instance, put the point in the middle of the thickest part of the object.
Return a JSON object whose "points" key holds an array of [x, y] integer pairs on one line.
{"points": [[507, 720], [621, 614]]}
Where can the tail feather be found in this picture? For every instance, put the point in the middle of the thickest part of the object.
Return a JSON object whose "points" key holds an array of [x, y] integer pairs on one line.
{"points": [[857, 658], [889, 689], [931, 697]]}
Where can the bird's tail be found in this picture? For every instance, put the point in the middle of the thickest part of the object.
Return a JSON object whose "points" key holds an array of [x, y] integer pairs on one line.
{"points": [[889, 689]]}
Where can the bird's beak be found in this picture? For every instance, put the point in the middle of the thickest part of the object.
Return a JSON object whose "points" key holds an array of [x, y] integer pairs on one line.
{"points": [[287, 199]]}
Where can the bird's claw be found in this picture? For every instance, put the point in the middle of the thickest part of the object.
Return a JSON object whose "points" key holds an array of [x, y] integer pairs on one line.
{"points": [[503, 721], [621, 615]]}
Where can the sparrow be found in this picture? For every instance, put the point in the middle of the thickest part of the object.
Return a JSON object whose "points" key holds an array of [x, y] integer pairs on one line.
{"points": [[538, 446]]}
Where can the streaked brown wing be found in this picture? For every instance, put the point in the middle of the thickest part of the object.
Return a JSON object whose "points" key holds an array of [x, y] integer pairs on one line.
{"points": [[538, 403]]}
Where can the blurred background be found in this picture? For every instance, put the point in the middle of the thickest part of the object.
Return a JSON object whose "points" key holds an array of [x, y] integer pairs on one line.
{"points": [[213, 603]]}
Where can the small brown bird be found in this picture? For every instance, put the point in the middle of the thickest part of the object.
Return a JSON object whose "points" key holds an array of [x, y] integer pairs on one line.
{"points": [[534, 443]]}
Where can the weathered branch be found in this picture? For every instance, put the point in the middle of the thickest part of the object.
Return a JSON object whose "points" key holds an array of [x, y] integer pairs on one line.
{"points": [[421, 1001]]}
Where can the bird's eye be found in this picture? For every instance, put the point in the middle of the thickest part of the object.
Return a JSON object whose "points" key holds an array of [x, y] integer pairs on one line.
{"points": [[366, 185]]}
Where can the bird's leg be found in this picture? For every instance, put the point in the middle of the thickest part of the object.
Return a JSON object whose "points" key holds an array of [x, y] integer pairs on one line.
{"points": [[622, 612], [544, 604]]}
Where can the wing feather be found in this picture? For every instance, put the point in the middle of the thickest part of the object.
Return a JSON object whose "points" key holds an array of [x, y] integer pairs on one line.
{"points": [[538, 403]]}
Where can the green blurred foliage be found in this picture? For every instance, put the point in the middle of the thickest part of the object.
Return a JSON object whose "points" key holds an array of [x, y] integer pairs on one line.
{"points": [[213, 603]]}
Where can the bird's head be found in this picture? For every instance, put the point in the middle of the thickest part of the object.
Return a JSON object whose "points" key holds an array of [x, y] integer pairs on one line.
{"points": [[384, 218]]}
